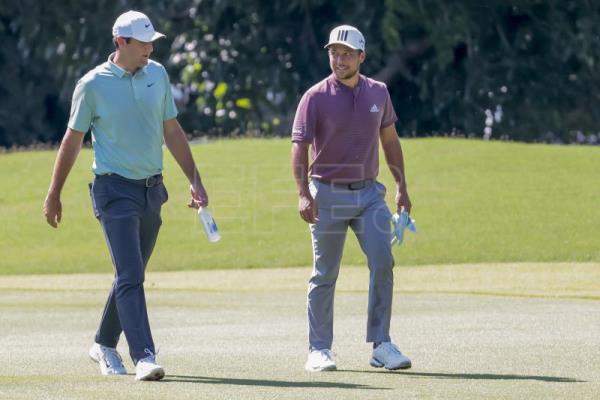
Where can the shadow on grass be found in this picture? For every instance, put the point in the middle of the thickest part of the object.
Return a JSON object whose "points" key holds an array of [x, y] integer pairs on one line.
{"points": [[501, 377], [266, 383]]}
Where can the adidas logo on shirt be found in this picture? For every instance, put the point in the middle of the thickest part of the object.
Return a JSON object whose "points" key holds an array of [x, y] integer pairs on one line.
{"points": [[374, 108]]}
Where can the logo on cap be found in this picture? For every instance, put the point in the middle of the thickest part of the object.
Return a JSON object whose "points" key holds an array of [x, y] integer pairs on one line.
{"points": [[137, 25], [342, 35], [348, 36]]}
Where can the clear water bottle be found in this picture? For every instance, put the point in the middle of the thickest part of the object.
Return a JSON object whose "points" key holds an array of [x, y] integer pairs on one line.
{"points": [[209, 225]]}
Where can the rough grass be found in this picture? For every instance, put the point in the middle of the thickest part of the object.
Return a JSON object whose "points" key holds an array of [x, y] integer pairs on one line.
{"points": [[473, 201]]}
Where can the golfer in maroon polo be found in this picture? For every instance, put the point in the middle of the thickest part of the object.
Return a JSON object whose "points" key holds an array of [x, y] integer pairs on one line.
{"points": [[342, 119]]}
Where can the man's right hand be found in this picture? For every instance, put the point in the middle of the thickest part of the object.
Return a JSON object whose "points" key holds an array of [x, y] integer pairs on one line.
{"points": [[67, 154], [53, 210], [307, 208]]}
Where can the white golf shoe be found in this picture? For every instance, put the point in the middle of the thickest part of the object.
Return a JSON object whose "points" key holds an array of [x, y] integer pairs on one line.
{"points": [[147, 369], [108, 358], [389, 356], [320, 360]]}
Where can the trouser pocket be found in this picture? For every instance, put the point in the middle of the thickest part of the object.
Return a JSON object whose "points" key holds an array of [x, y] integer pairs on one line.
{"points": [[99, 195]]}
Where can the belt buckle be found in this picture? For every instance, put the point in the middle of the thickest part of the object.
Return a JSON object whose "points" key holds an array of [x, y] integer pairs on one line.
{"points": [[357, 185], [151, 181]]}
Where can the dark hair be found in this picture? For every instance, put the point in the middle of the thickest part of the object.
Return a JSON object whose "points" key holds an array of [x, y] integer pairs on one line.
{"points": [[127, 40]]}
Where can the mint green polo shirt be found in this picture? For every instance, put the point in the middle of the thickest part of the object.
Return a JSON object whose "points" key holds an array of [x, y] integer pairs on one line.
{"points": [[125, 113]]}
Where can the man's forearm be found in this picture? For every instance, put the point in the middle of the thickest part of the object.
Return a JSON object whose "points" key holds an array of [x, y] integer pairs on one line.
{"points": [[395, 161], [179, 147], [65, 159], [300, 166], [393, 156]]}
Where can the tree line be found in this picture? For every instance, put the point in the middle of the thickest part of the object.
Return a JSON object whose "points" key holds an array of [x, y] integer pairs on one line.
{"points": [[521, 70]]}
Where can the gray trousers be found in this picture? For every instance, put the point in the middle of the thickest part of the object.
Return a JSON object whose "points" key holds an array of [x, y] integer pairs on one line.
{"points": [[367, 214], [130, 217]]}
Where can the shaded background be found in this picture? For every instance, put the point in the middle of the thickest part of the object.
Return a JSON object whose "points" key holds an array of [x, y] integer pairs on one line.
{"points": [[526, 70]]}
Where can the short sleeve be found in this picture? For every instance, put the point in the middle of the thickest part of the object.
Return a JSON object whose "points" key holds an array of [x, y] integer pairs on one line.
{"points": [[170, 110], [82, 107], [389, 115], [305, 121]]}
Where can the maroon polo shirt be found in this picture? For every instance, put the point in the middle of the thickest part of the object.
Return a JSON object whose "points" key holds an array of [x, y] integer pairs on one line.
{"points": [[342, 125]]}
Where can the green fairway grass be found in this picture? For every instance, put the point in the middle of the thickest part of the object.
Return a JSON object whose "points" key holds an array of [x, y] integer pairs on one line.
{"points": [[495, 331], [474, 202]]}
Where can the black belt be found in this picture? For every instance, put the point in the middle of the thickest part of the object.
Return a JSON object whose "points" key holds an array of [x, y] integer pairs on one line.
{"points": [[148, 182], [357, 185]]}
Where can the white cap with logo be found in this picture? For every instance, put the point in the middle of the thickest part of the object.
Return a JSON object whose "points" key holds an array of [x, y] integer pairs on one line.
{"points": [[348, 36], [134, 24]]}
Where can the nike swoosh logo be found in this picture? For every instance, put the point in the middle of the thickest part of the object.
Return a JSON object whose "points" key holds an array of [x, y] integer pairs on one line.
{"points": [[150, 84], [147, 25]]}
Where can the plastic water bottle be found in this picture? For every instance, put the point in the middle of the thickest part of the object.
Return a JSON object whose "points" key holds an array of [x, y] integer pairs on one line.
{"points": [[209, 225]]}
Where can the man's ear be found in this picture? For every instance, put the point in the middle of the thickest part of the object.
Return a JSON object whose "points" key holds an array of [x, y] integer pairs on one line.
{"points": [[121, 41], [362, 56]]}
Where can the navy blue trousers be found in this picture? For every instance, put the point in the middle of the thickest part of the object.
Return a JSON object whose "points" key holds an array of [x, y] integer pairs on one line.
{"points": [[129, 213]]}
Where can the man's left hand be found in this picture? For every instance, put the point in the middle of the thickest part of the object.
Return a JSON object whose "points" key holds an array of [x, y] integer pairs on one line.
{"points": [[199, 196], [403, 201]]}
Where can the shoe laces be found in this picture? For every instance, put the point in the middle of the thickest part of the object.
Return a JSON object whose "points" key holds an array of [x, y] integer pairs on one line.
{"points": [[391, 347], [326, 354], [151, 356]]}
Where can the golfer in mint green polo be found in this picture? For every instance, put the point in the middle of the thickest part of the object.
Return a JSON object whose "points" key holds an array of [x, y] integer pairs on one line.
{"points": [[127, 105]]}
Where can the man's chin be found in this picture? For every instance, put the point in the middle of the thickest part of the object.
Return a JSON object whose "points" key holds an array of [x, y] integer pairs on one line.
{"points": [[342, 76]]}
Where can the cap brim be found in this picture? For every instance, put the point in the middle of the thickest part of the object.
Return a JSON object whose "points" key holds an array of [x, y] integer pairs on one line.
{"points": [[343, 44], [151, 37]]}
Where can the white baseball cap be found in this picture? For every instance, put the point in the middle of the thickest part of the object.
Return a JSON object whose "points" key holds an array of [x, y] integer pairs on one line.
{"points": [[134, 24], [348, 36]]}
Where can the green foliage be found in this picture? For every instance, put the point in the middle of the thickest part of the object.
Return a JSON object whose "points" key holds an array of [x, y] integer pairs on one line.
{"points": [[473, 202], [265, 52], [238, 66], [534, 59], [45, 47]]}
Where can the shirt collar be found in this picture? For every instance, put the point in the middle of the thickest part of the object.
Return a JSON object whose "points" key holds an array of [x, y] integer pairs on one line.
{"points": [[356, 90], [120, 72], [333, 80]]}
